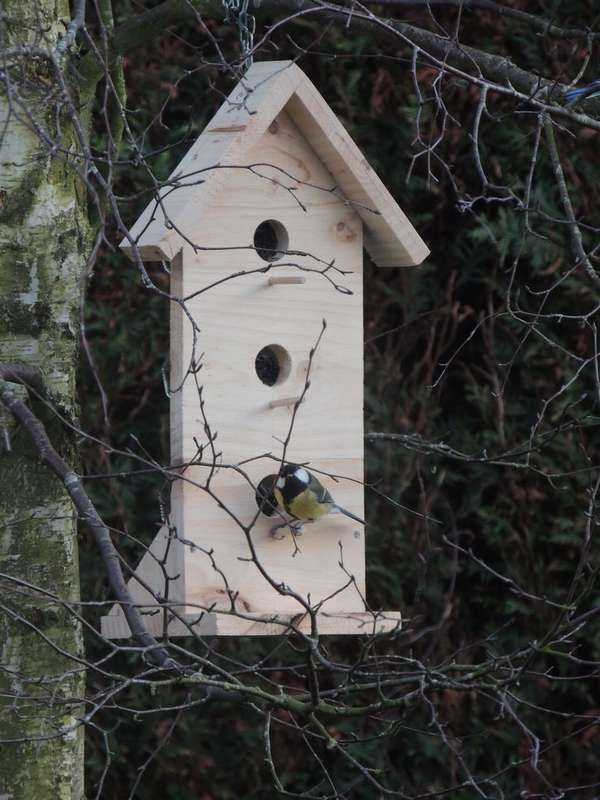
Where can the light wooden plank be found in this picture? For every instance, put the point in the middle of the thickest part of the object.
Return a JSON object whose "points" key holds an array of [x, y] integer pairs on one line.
{"points": [[197, 180], [311, 568], [291, 183], [149, 572], [205, 173], [390, 238], [237, 319], [213, 624], [177, 325], [241, 316]]}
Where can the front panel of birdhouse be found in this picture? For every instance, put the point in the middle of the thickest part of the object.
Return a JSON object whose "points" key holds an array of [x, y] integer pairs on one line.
{"points": [[237, 318]]}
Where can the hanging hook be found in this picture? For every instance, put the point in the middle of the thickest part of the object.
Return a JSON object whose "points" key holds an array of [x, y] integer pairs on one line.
{"points": [[237, 10]]}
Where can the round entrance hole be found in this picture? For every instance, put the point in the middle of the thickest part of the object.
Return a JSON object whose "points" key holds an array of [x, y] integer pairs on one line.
{"points": [[270, 238], [273, 364]]}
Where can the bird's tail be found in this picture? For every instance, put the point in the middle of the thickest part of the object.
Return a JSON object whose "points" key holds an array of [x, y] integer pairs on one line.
{"points": [[340, 510]]}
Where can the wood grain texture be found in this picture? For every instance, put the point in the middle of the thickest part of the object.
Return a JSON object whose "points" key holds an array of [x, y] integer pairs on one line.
{"points": [[164, 555], [178, 323], [228, 142], [313, 571], [228, 291], [240, 317], [290, 280], [214, 624]]}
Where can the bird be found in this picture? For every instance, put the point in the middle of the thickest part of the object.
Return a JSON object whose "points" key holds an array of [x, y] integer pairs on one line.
{"points": [[583, 93], [298, 493]]}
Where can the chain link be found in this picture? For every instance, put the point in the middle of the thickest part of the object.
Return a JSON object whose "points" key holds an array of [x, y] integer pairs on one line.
{"points": [[238, 11]]}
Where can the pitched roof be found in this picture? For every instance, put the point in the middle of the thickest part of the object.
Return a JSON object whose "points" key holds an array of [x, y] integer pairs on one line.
{"points": [[267, 88]]}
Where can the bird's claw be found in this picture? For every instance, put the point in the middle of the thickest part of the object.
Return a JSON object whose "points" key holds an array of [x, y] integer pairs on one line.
{"points": [[278, 531]]}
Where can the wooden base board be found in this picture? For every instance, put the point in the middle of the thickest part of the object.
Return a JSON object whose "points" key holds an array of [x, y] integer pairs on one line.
{"points": [[114, 625]]}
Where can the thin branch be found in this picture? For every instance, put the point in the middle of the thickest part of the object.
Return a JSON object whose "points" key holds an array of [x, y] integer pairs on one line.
{"points": [[85, 508], [577, 245]]}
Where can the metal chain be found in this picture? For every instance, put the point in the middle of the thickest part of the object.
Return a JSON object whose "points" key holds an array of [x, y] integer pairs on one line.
{"points": [[237, 11]]}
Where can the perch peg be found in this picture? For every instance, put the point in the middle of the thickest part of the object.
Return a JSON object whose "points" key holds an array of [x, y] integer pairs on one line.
{"points": [[287, 279], [285, 401]]}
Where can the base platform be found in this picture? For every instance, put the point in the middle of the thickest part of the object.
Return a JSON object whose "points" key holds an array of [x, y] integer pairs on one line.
{"points": [[114, 625]]}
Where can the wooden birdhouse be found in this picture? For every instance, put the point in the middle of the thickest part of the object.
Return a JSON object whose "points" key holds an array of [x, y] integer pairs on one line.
{"points": [[269, 202]]}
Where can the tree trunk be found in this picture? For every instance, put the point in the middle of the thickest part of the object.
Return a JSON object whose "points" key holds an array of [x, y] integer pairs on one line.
{"points": [[43, 240]]}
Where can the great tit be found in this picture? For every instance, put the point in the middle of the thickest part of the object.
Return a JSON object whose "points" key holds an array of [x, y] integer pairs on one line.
{"points": [[298, 493]]}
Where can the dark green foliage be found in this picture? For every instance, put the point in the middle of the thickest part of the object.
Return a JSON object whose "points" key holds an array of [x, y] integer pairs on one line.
{"points": [[447, 360]]}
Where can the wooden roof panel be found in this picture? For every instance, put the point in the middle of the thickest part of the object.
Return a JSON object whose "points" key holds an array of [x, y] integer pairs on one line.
{"points": [[266, 89]]}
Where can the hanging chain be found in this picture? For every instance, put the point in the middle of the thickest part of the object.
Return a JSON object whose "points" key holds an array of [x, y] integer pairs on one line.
{"points": [[237, 10]]}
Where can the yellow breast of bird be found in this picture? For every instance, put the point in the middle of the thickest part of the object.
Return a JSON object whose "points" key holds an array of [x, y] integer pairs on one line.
{"points": [[306, 507]]}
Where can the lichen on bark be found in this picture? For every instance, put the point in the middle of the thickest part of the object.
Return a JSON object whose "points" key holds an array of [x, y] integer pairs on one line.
{"points": [[44, 239]]}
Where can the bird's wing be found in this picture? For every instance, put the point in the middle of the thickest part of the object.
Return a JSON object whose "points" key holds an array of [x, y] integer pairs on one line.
{"points": [[324, 496]]}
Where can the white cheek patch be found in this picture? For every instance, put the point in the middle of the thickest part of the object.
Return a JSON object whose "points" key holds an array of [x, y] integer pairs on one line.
{"points": [[280, 482], [302, 475]]}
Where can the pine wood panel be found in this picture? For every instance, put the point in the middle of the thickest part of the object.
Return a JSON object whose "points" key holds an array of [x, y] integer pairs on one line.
{"points": [[300, 159], [312, 571], [240, 317], [229, 140], [163, 551], [214, 624]]}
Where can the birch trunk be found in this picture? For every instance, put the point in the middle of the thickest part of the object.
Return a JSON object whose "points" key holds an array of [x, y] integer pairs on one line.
{"points": [[43, 241]]}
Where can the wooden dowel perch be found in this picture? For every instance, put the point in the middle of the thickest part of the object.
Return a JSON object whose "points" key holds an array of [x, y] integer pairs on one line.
{"points": [[285, 401], [290, 279]]}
